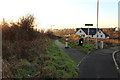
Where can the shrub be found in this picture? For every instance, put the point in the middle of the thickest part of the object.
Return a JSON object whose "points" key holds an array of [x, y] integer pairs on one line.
{"points": [[21, 43], [22, 30]]}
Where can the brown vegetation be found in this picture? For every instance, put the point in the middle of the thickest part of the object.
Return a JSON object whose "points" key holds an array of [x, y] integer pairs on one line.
{"points": [[20, 43], [112, 33], [73, 37], [28, 53], [63, 32]]}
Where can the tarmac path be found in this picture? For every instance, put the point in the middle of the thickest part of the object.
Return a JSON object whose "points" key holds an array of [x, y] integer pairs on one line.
{"points": [[76, 55], [98, 64]]}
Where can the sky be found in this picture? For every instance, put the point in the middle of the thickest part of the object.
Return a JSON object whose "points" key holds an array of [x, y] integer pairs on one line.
{"points": [[62, 13]]}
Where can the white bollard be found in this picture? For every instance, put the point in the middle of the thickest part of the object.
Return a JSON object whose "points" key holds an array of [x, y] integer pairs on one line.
{"points": [[101, 44], [66, 44], [66, 41]]}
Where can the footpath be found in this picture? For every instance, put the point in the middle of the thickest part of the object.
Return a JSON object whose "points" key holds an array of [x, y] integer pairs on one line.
{"points": [[76, 55], [98, 64]]}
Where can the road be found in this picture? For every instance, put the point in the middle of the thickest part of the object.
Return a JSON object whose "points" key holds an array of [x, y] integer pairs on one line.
{"points": [[98, 64]]}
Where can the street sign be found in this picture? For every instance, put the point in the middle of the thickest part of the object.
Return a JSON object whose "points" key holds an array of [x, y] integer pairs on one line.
{"points": [[88, 24], [88, 29]]}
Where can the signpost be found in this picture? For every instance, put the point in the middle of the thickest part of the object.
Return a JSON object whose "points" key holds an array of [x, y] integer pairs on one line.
{"points": [[88, 24], [88, 29]]}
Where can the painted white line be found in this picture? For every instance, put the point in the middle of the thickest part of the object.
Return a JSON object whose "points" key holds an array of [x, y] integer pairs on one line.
{"points": [[81, 60], [113, 56]]}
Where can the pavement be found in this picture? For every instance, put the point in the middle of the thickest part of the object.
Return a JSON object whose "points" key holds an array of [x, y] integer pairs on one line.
{"points": [[98, 64], [76, 55]]}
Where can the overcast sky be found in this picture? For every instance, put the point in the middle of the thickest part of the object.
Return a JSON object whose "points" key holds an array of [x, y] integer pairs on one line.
{"points": [[62, 12]]}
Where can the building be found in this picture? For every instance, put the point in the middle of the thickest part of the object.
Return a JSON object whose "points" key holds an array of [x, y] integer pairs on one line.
{"points": [[83, 32]]}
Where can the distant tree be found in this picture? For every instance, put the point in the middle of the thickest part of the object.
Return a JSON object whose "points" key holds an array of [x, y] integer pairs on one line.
{"points": [[63, 32], [27, 22], [26, 25], [21, 30]]}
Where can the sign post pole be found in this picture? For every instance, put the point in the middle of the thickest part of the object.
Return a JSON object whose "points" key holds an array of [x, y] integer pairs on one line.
{"points": [[88, 30]]}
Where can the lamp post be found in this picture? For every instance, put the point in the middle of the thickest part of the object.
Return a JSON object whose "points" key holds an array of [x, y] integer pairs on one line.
{"points": [[97, 24], [119, 15], [52, 27]]}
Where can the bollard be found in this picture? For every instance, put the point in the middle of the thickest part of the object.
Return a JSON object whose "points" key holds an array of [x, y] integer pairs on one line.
{"points": [[66, 41], [101, 44], [81, 41]]}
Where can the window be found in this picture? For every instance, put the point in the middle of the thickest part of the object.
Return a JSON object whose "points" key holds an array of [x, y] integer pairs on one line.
{"points": [[80, 31], [83, 35], [101, 35]]}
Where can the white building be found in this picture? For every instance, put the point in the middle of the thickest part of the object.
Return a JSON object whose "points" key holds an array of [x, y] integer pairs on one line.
{"points": [[83, 32]]}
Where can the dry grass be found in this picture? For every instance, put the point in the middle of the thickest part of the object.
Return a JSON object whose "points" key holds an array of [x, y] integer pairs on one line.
{"points": [[21, 46], [6, 70]]}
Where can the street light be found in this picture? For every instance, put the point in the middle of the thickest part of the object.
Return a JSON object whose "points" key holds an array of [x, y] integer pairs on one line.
{"points": [[119, 15], [97, 24], [52, 27]]}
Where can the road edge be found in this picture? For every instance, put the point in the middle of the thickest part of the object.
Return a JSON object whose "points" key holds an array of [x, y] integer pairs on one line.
{"points": [[115, 62]]}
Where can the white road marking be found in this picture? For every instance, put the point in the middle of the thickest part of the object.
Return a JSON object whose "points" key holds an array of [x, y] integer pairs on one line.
{"points": [[81, 60], [113, 56]]}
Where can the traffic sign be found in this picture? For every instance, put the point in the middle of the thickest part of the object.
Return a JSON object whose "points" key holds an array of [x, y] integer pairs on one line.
{"points": [[88, 24]]}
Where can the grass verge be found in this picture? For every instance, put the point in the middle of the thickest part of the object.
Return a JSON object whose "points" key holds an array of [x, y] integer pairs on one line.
{"points": [[62, 64], [86, 48], [52, 64]]}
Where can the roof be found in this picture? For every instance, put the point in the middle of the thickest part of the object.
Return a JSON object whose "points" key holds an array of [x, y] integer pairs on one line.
{"points": [[92, 31], [105, 34]]}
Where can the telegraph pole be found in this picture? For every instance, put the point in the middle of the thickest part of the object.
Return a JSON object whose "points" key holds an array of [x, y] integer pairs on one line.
{"points": [[97, 24], [119, 15]]}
